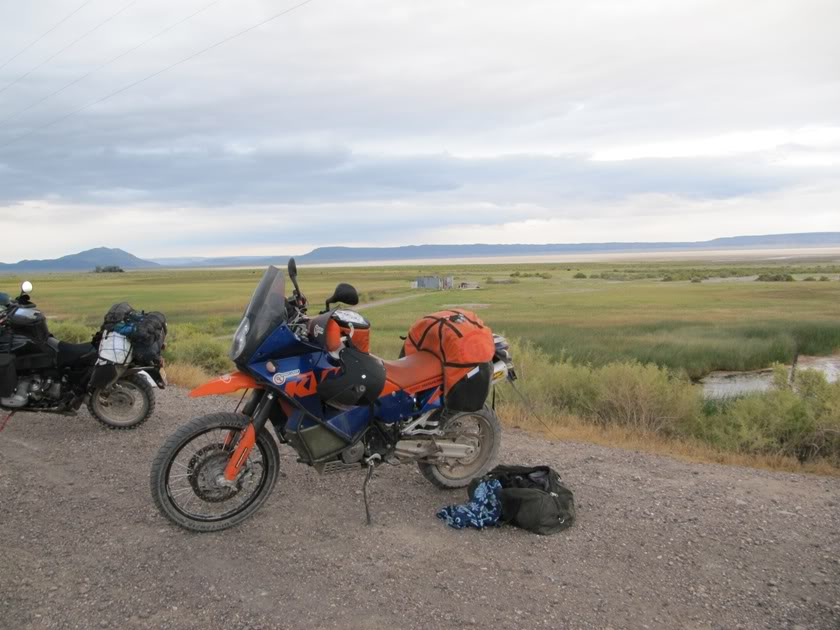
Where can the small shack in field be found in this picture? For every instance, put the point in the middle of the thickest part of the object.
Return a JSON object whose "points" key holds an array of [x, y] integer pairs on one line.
{"points": [[438, 283], [429, 282]]}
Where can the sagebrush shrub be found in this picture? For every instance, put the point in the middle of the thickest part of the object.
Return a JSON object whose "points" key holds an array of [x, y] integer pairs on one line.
{"points": [[200, 350], [799, 418]]}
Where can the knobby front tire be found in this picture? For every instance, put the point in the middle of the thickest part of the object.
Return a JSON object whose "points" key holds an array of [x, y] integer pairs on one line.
{"points": [[208, 432]]}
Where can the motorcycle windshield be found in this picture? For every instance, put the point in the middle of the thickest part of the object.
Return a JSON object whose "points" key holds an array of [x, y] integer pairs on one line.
{"points": [[266, 311]]}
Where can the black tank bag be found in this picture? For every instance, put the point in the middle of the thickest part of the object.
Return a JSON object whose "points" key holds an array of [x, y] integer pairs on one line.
{"points": [[533, 498]]}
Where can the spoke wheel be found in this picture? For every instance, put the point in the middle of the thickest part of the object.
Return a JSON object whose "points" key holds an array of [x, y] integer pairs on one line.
{"points": [[188, 483], [127, 404]]}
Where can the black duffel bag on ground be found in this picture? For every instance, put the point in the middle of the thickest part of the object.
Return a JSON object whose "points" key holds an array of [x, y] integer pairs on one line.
{"points": [[532, 498]]}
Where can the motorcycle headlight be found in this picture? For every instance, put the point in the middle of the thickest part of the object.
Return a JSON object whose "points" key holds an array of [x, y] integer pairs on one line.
{"points": [[239, 339]]}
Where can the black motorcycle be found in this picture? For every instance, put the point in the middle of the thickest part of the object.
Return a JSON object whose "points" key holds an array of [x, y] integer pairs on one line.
{"points": [[39, 373]]}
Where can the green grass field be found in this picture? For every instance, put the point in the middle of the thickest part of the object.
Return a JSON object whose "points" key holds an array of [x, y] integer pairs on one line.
{"points": [[604, 358], [723, 323]]}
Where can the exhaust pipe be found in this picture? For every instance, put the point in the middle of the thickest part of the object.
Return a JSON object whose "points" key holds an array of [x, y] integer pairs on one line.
{"points": [[434, 449]]}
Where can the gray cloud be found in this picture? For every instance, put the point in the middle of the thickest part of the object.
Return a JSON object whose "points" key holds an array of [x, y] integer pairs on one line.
{"points": [[409, 110], [210, 175]]}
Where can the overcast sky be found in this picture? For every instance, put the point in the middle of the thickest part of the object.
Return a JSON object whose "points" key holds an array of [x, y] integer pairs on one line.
{"points": [[391, 122]]}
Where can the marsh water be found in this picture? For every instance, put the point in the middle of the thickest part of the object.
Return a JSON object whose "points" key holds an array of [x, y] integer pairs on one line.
{"points": [[732, 384]]}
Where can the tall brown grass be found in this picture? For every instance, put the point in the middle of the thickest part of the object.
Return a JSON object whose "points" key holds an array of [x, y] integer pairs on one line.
{"points": [[186, 375], [570, 428], [793, 427]]}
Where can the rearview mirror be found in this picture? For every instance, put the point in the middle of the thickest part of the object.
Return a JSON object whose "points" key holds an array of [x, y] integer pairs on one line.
{"points": [[292, 268], [344, 293], [26, 287]]}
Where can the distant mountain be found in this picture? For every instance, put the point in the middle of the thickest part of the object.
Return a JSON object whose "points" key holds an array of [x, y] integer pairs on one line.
{"points": [[225, 261], [83, 261], [804, 239], [102, 256], [330, 255]]}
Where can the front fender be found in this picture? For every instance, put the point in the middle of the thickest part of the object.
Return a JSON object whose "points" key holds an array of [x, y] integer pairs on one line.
{"points": [[225, 384], [157, 375], [147, 377]]}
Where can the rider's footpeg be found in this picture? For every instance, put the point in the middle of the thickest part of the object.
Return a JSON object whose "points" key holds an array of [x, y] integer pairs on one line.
{"points": [[428, 424]]}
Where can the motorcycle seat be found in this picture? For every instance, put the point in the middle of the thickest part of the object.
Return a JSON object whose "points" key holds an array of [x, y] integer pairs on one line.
{"points": [[413, 373], [72, 353]]}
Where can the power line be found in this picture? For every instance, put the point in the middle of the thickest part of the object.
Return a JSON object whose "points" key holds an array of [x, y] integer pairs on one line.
{"points": [[71, 44], [109, 62], [57, 24], [157, 73]]}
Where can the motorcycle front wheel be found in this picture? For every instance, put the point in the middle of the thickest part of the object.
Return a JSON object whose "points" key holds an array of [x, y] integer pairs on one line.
{"points": [[126, 404], [187, 479]]}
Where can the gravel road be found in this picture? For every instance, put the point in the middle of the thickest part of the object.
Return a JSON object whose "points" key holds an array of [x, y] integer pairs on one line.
{"points": [[658, 544]]}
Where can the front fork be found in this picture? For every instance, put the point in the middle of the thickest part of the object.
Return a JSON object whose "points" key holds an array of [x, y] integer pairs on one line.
{"points": [[259, 408]]}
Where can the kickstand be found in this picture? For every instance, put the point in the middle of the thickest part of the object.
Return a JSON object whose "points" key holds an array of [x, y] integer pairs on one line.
{"points": [[369, 474], [5, 420]]}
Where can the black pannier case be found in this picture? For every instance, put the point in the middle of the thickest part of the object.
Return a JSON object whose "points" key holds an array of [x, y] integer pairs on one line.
{"points": [[8, 375], [470, 392]]}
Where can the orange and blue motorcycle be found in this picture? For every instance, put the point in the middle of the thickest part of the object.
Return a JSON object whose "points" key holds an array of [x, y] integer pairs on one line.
{"points": [[314, 381]]}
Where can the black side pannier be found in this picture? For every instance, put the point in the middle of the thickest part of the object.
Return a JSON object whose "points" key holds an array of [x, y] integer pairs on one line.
{"points": [[470, 393], [149, 337], [532, 498], [8, 375]]}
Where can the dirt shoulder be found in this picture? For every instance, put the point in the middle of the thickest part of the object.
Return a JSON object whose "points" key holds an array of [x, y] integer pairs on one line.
{"points": [[658, 544]]}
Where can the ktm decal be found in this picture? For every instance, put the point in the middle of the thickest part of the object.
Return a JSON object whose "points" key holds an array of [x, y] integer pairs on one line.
{"points": [[306, 384]]}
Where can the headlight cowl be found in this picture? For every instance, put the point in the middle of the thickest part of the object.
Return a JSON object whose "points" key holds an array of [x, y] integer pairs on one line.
{"points": [[239, 339]]}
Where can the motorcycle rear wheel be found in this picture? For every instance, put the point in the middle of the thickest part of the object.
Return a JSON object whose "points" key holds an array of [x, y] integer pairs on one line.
{"points": [[184, 473], [488, 438], [127, 404]]}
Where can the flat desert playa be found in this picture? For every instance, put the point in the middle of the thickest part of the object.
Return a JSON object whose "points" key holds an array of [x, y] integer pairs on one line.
{"points": [[708, 255]]}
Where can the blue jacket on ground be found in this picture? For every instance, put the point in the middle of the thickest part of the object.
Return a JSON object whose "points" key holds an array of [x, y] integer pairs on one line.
{"points": [[483, 510]]}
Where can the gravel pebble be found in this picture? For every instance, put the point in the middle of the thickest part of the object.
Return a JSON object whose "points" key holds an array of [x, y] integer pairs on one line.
{"points": [[659, 543]]}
